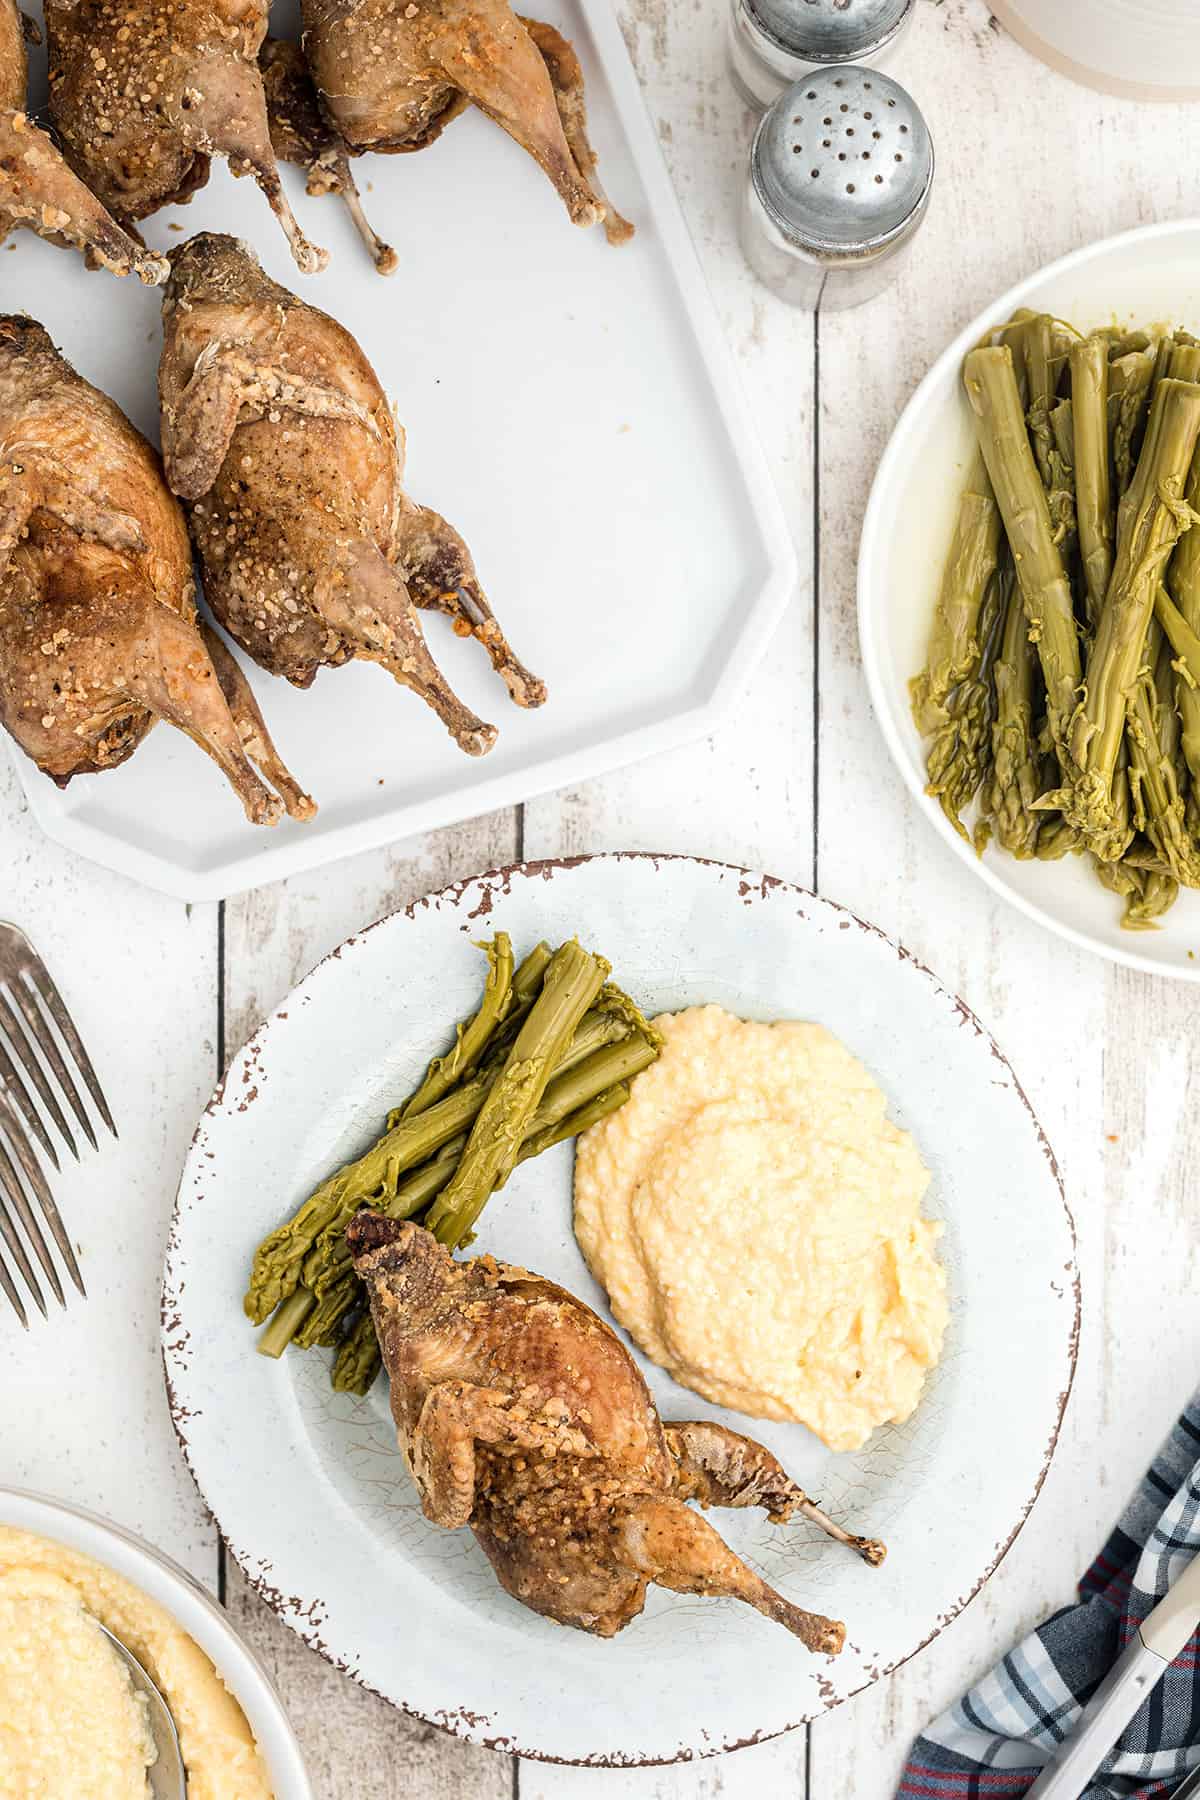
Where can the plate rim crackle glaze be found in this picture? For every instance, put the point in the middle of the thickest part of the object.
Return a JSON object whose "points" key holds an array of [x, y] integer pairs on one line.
{"points": [[821, 922]]}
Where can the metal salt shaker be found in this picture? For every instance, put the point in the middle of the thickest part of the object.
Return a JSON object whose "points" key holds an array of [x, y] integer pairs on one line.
{"points": [[773, 43], [840, 173]]}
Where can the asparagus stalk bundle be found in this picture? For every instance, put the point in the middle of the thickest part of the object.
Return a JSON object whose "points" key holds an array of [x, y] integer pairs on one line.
{"points": [[1045, 585], [550, 1050], [1151, 517], [1070, 641]]}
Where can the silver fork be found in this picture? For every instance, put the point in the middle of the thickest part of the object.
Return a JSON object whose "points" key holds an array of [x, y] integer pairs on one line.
{"points": [[31, 1012]]}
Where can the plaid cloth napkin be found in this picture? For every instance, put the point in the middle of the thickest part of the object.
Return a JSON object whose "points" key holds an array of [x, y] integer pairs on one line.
{"points": [[994, 1741]]}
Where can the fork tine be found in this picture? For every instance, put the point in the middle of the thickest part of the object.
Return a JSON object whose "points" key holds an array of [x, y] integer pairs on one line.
{"points": [[44, 982], [8, 1232], [9, 1286], [45, 1199], [10, 1185], [11, 1080], [11, 1026], [44, 1040]]}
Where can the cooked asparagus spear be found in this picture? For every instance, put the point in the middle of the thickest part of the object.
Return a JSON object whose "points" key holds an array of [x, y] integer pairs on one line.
{"points": [[1150, 519], [1158, 804], [471, 1037], [1011, 795], [1093, 474], [1045, 354], [1179, 614], [1060, 495], [1147, 893], [954, 642], [960, 755], [1045, 588], [286, 1321], [1184, 361], [527, 982], [358, 1361], [573, 981], [1120, 343], [323, 1325], [1130, 379]]}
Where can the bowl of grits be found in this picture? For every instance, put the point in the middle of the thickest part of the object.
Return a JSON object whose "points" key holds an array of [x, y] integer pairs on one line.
{"points": [[64, 1573]]}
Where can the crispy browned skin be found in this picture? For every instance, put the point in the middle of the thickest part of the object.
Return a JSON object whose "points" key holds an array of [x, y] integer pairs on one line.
{"points": [[301, 133], [393, 73], [144, 92], [97, 602], [521, 1414], [279, 437], [37, 188]]}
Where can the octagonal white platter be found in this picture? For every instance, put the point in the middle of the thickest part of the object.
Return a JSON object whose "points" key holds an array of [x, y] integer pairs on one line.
{"points": [[308, 1487], [569, 406]]}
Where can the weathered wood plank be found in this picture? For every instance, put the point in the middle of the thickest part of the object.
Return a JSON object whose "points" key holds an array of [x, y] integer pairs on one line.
{"points": [[138, 973]]}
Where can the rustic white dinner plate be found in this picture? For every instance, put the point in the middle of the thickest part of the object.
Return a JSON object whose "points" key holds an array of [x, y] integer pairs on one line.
{"points": [[1144, 277], [206, 1623], [307, 1485], [571, 407]]}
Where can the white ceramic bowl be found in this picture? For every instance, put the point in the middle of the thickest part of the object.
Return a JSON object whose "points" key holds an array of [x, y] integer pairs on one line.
{"points": [[1140, 49], [1143, 277], [198, 1614]]}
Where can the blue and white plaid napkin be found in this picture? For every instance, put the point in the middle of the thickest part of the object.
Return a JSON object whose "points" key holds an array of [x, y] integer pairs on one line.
{"points": [[992, 1744]]}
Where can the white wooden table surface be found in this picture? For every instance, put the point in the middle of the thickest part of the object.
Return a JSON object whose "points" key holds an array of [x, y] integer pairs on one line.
{"points": [[796, 783]]}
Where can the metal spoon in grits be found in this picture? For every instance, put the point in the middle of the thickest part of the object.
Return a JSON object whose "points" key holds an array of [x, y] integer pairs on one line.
{"points": [[168, 1779]]}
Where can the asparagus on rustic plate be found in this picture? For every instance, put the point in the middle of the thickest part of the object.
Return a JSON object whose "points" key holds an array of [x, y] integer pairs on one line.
{"points": [[550, 1050], [1061, 692]]}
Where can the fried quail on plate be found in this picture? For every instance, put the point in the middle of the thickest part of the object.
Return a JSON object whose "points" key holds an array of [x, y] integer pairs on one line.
{"points": [[301, 133], [98, 630], [144, 92], [280, 439], [37, 188], [521, 1414], [392, 74]]}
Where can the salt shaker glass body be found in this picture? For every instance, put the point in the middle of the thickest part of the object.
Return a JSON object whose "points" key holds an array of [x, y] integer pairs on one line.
{"points": [[773, 43], [838, 184]]}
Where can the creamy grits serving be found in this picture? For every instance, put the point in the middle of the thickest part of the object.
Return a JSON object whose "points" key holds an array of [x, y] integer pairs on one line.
{"points": [[756, 1221], [71, 1723]]}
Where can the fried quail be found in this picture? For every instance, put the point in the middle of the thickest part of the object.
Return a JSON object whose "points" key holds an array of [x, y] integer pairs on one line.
{"points": [[301, 133], [98, 632], [521, 1414], [278, 436], [392, 74], [37, 188], [144, 92]]}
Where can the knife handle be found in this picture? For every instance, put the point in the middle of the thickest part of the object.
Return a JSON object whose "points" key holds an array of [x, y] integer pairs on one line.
{"points": [[1176, 1616]]}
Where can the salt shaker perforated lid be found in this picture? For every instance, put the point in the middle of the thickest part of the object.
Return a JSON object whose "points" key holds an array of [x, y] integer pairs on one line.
{"points": [[776, 42], [840, 174]]}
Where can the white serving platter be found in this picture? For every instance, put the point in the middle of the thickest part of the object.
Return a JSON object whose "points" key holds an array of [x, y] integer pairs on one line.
{"points": [[569, 406], [1146, 277], [308, 1487]]}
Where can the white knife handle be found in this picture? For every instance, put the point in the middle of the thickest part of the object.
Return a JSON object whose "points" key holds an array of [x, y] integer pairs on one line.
{"points": [[1175, 1617]]}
